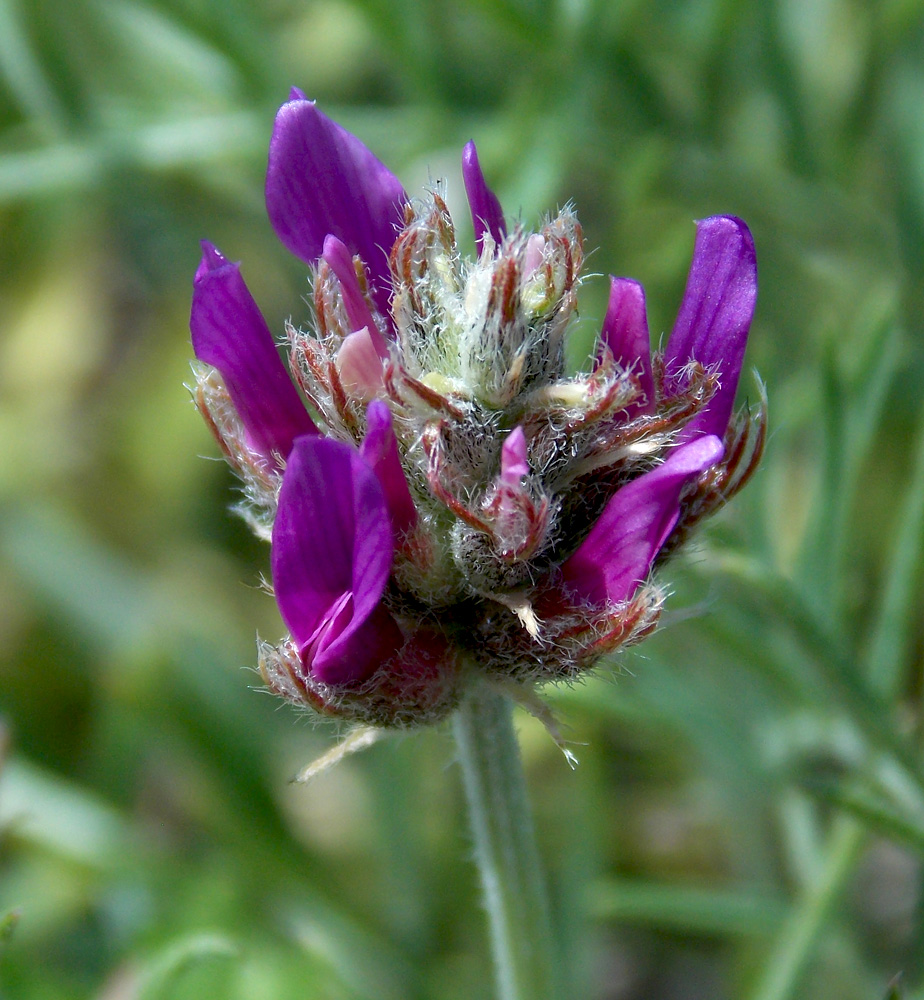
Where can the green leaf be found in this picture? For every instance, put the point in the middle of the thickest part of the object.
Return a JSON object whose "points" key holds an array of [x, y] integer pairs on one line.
{"points": [[23, 71], [894, 990], [163, 971], [723, 913], [892, 633], [8, 924], [870, 809]]}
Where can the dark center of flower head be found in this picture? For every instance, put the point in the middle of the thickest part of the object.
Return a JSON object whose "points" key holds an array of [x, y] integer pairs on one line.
{"points": [[442, 496]]}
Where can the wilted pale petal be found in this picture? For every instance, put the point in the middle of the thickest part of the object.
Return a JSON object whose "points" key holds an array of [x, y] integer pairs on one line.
{"points": [[380, 451], [331, 557], [617, 554], [715, 315], [322, 180], [533, 255], [359, 365], [625, 333], [229, 332], [338, 256], [487, 214], [514, 464]]}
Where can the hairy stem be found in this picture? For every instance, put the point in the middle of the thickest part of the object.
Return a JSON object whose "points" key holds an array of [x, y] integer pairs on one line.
{"points": [[505, 847]]}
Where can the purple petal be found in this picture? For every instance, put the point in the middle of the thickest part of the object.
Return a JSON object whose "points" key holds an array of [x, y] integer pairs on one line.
{"points": [[338, 256], [625, 333], [331, 558], [617, 554], [322, 180], [380, 451], [487, 214], [715, 315], [230, 333]]}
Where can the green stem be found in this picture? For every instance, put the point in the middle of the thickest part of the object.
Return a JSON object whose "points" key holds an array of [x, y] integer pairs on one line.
{"points": [[505, 847]]}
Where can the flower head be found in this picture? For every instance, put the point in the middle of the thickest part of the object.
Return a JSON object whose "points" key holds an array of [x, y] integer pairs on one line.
{"points": [[442, 497]]}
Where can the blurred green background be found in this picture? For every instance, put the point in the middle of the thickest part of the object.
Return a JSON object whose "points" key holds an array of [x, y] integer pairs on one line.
{"points": [[747, 820]]}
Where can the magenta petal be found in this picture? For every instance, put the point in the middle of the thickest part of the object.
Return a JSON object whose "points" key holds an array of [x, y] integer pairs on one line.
{"points": [[715, 315], [322, 180], [338, 256], [349, 652], [380, 451], [331, 558], [230, 333], [617, 554], [625, 333], [487, 214]]}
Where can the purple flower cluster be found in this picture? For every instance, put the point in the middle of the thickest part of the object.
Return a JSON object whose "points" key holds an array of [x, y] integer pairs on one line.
{"points": [[444, 500]]}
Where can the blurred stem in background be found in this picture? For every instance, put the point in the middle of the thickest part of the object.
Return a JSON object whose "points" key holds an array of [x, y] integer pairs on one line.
{"points": [[870, 678]]}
